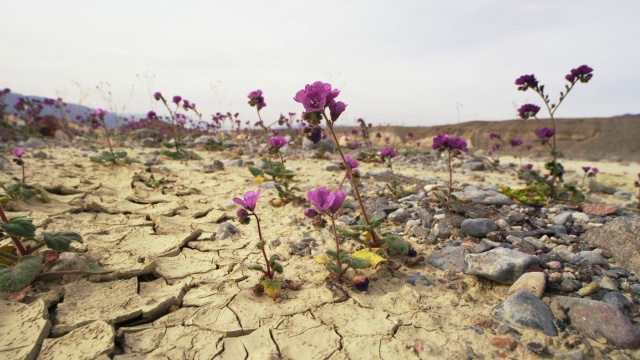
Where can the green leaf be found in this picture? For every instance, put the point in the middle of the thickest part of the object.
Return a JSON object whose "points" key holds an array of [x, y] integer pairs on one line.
{"points": [[96, 159], [396, 244], [271, 288], [279, 189], [255, 171], [16, 278], [357, 263], [270, 173], [120, 154], [331, 253], [332, 267], [43, 195], [274, 257], [168, 145], [95, 269], [347, 233], [60, 240], [256, 267], [348, 205], [277, 267], [20, 226]]}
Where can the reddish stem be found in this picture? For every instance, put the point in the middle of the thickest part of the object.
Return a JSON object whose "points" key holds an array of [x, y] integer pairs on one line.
{"points": [[16, 240], [269, 274], [335, 234]]}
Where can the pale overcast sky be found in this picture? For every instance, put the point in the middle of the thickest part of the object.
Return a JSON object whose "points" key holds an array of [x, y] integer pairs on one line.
{"points": [[399, 62]]}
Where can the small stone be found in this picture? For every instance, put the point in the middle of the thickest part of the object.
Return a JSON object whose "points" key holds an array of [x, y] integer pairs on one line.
{"points": [[236, 162], [449, 258], [501, 264], [555, 277], [554, 265], [533, 281], [557, 311], [225, 230], [590, 289], [618, 300], [300, 248], [523, 309], [218, 165], [478, 227], [441, 230], [399, 216], [608, 283], [332, 167], [562, 218]]}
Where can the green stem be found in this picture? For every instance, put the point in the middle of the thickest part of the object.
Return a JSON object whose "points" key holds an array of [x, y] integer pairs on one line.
{"points": [[106, 131], [16, 240], [335, 234], [269, 273], [352, 179], [265, 129]]}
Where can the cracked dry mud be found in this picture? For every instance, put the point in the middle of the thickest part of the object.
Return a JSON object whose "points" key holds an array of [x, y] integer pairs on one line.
{"points": [[177, 291]]}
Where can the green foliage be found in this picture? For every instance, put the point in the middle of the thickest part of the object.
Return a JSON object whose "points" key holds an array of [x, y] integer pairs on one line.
{"points": [[356, 263], [94, 269], [118, 157], [213, 145], [529, 195], [61, 240], [255, 171], [19, 226], [180, 154], [16, 278], [347, 233], [396, 244]]}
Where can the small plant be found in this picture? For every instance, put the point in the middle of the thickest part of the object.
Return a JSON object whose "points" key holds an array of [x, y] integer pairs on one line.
{"points": [[178, 120], [453, 145], [496, 148], [327, 202], [270, 285], [582, 74], [20, 190], [588, 172], [108, 157], [386, 154], [514, 144], [19, 267], [278, 170], [316, 98]]}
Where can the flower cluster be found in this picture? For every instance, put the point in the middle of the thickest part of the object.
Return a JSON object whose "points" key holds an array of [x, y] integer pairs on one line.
{"points": [[256, 99], [443, 142], [277, 142], [528, 110], [515, 142], [318, 96], [582, 73], [325, 201], [545, 134], [525, 82], [387, 152]]}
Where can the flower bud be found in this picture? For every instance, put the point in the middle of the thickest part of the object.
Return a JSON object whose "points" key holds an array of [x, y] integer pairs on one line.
{"points": [[242, 213], [360, 283], [309, 212]]}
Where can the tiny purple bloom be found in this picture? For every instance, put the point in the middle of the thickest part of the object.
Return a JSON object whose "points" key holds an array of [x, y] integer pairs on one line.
{"points": [[314, 96], [157, 95], [99, 113], [378, 135], [277, 142], [515, 142], [493, 135], [177, 99], [526, 81], [586, 168], [595, 170], [256, 99], [528, 167], [353, 163], [325, 200], [443, 142], [528, 110], [336, 109], [582, 73], [18, 151], [545, 134], [249, 201], [309, 212], [388, 152]]}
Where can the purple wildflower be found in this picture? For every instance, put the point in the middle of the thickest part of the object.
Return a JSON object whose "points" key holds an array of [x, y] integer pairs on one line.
{"points": [[582, 73], [157, 95], [325, 200], [544, 134], [336, 109], [256, 99], [249, 201], [595, 170], [388, 152], [496, 147], [515, 142], [528, 110], [443, 142], [494, 135], [309, 212], [527, 81], [177, 99], [353, 163], [314, 96], [18, 151], [315, 135], [586, 168], [100, 113], [277, 142], [528, 167], [378, 135], [410, 135]]}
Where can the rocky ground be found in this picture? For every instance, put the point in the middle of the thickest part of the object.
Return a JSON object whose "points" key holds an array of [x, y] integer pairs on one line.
{"points": [[497, 279]]}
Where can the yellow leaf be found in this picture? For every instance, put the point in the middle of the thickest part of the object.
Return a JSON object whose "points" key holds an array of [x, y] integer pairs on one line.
{"points": [[367, 235], [370, 256], [271, 288], [320, 259], [7, 249], [260, 179]]}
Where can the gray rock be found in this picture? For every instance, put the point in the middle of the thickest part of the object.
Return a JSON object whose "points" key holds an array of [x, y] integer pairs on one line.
{"points": [[596, 320], [419, 232], [618, 300], [332, 167], [562, 218], [302, 248], [598, 187], [159, 169], [619, 237], [624, 195], [399, 216], [218, 165], [608, 283], [449, 258], [478, 227], [225, 230], [474, 166], [583, 257], [150, 143], [441, 230], [380, 214], [524, 309], [502, 265], [267, 185], [236, 162], [483, 197]]}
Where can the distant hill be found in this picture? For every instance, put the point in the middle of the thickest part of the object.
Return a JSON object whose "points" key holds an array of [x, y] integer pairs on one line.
{"points": [[73, 109]]}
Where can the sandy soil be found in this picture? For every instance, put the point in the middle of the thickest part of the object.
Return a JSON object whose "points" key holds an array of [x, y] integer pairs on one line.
{"points": [[178, 291]]}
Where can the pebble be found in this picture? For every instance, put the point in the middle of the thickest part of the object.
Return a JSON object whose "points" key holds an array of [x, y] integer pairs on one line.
{"points": [[441, 230], [501, 265], [608, 283], [618, 300], [449, 258], [590, 289], [225, 230], [524, 309], [399, 216], [533, 282], [478, 227]]}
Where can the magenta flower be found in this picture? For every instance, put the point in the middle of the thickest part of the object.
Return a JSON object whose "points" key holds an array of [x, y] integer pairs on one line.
{"points": [[353, 163], [314, 96], [595, 170], [314, 134], [378, 135], [528, 167], [100, 113], [182, 121], [249, 201], [277, 142], [309, 212], [526, 81], [353, 132], [443, 142], [388, 152], [529, 146], [177, 99], [494, 135], [545, 134], [151, 115], [528, 110], [586, 168], [256, 99], [515, 142], [496, 147], [336, 109], [410, 135], [18, 151], [582, 73], [325, 200], [157, 95]]}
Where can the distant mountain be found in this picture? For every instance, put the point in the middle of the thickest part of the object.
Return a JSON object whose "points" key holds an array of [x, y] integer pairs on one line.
{"points": [[72, 109]]}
